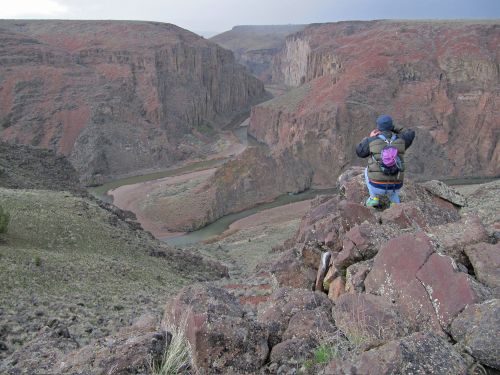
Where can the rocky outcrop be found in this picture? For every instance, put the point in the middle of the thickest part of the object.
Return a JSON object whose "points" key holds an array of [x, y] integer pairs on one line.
{"points": [[439, 78], [132, 350], [251, 179], [420, 353], [117, 97], [25, 167], [222, 337], [256, 46], [387, 299], [477, 328]]}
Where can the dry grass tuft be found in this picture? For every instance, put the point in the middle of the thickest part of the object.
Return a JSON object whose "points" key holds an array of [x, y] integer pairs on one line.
{"points": [[178, 355]]}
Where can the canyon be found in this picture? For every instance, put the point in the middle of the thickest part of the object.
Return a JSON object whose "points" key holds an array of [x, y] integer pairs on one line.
{"points": [[255, 46], [118, 98], [440, 78], [325, 286]]}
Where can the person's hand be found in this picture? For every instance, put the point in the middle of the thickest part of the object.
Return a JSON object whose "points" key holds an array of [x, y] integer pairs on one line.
{"points": [[374, 133]]}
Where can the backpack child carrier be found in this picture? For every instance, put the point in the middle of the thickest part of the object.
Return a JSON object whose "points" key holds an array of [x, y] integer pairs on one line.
{"points": [[390, 163]]}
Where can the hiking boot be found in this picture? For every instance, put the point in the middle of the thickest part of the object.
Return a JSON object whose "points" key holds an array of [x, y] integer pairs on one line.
{"points": [[372, 202]]}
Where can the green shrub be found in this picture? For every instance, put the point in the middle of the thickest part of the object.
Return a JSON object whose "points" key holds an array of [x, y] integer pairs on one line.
{"points": [[4, 220]]}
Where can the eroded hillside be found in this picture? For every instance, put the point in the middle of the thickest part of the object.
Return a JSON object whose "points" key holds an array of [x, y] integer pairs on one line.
{"points": [[73, 269]]}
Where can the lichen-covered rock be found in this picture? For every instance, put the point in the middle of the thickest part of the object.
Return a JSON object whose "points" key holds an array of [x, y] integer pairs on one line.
{"points": [[485, 259], [328, 222], [293, 351], [290, 270], [453, 238], [440, 189], [314, 324], [419, 353], [356, 275], [477, 328], [221, 336], [130, 351], [393, 276], [283, 304], [361, 243], [372, 319], [450, 290], [405, 215]]}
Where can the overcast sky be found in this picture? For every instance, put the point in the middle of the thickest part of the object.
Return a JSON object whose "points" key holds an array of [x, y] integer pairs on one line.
{"points": [[221, 15]]}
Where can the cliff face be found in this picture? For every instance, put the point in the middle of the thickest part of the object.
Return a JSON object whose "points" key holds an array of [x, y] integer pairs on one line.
{"points": [[117, 97], [440, 78], [256, 46]]}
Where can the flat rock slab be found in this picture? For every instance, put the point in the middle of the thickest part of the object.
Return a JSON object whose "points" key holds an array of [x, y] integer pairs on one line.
{"points": [[419, 353], [449, 289], [393, 276], [372, 318], [446, 192], [455, 237], [478, 329], [485, 259]]}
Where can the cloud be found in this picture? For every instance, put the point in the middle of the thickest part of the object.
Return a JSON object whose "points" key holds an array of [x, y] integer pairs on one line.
{"points": [[32, 8]]}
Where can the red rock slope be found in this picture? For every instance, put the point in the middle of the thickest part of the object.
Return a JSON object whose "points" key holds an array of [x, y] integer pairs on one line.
{"points": [[440, 78], [116, 97]]}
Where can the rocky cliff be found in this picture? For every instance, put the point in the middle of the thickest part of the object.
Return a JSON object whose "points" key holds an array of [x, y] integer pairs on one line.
{"points": [[256, 46], [117, 97], [439, 78]]}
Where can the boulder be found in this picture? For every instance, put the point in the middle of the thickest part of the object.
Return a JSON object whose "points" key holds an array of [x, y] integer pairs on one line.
{"points": [[485, 259], [293, 351], [449, 289], [221, 336], [477, 328], [404, 215], [283, 304], [419, 353], [130, 351], [314, 324], [290, 270], [311, 255], [393, 276], [371, 319], [43, 353], [441, 190], [337, 288], [453, 238], [328, 222], [351, 185], [484, 202], [437, 212], [356, 275], [360, 243]]}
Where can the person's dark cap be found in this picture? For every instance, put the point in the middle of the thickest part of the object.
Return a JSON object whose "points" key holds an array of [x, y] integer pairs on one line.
{"points": [[384, 123]]}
